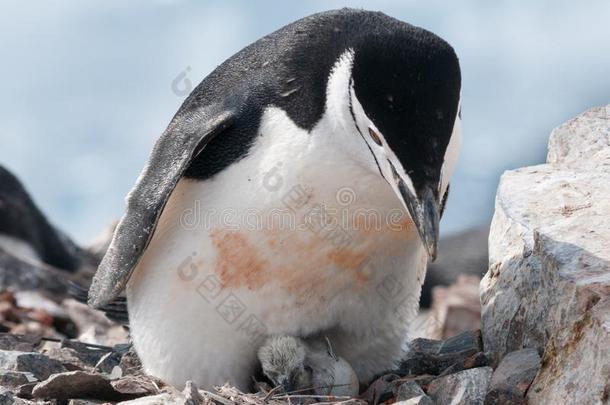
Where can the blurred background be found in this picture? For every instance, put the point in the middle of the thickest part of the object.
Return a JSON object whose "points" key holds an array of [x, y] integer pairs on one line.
{"points": [[87, 87]]}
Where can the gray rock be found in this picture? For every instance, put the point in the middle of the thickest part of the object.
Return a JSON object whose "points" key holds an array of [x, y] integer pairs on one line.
{"points": [[161, 399], [9, 398], [466, 387], [39, 365], [75, 384], [418, 400], [407, 390], [479, 359], [422, 380], [548, 284], [130, 363], [90, 354], [20, 343], [380, 390], [427, 356], [191, 394], [68, 357], [25, 390], [108, 363], [14, 379], [513, 377], [135, 385]]}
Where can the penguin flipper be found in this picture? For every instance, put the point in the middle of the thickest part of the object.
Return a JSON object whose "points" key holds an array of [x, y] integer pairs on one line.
{"points": [[187, 134]]}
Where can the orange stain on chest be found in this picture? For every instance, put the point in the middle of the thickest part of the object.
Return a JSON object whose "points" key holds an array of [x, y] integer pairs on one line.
{"points": [[308, 260], [238, 262]]}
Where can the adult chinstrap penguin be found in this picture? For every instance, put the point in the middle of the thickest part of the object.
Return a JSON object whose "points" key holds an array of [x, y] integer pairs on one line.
{"points": [[343, 112]]}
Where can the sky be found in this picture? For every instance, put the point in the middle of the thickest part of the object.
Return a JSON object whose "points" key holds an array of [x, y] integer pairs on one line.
{"points": [[87, 87]]}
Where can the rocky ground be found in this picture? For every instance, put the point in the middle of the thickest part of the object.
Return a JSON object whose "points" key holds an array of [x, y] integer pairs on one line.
{"points": [[41, 365], [60, 351], [544, 320]]}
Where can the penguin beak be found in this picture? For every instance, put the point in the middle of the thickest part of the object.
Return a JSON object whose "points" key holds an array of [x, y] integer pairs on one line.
{"points": [[425, 213]]}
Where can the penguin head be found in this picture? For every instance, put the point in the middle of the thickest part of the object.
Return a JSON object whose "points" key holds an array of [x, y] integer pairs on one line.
{"points": [[404, 97]]}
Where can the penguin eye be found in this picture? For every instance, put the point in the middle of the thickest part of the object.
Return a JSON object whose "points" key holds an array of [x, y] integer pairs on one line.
{"points": [[375, 136]]}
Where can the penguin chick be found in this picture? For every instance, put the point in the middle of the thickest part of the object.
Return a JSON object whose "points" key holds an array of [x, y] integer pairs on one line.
{"points": [[298, 365], [283, 361], [331, 374]]}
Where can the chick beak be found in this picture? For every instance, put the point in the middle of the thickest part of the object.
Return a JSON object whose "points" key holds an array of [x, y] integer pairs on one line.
{"points": [[287, 385], [425, 214]]}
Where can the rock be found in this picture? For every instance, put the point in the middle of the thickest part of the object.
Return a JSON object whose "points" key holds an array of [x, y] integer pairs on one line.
{"points": [[89, 354], [466, 387], [548, 284], [93, 326], [513, 377], [25, 390], [109, 363], [380, 390], [9, 398], [457, 308], [130, 363], [14, 379], [479, 359], [583, 143], [576, 362], [161, 399], [422, 380], [191, 394], [135, 385], [418, 400], [426, 356], [76, 384], [407, 390], [20, 343], [68, 357], [39, 365], [454, 309]]}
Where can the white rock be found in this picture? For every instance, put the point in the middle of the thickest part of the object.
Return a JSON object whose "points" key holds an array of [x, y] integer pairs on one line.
{"points": [[549, 254], [583, 142]]}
